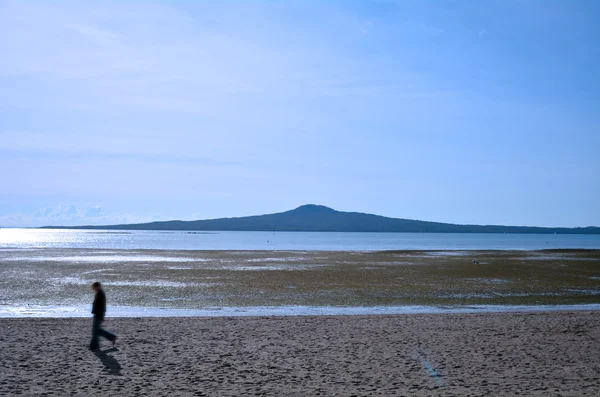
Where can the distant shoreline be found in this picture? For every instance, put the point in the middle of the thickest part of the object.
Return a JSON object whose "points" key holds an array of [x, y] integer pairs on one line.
{"points": [[215, 231], [318, 218]]}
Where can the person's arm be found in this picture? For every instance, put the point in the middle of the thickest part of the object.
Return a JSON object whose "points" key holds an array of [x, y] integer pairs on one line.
{"points": [[95, 304], [101, 304]]}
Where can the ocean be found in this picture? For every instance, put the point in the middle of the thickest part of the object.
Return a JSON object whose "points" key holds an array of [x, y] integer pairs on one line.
{"points": [[301, 241]]}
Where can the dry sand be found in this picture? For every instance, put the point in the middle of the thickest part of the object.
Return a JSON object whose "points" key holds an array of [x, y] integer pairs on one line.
{"points": [[533, 354]]}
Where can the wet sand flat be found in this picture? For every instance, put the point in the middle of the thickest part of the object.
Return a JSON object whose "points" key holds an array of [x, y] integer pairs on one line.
{"points": [[200, 279], [533, 354]]}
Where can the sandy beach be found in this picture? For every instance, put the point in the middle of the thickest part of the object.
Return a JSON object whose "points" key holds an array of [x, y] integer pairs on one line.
{"points": [[533, 354]]}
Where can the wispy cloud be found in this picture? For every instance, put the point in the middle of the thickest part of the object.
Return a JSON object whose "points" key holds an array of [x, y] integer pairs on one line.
{"points": [[107, 156], [422, 28], [125, 61], [115, 57], [67, 215]]}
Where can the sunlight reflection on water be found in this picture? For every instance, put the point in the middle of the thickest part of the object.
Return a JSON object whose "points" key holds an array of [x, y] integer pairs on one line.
{"points": [[104, 258], [134, 311], [47, 238]]}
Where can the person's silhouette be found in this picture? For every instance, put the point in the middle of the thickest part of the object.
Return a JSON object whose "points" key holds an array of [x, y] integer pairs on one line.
{"points": [[98, 310]]}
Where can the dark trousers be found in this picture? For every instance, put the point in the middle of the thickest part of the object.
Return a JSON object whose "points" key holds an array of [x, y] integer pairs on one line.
{"points": [[98, 332]]}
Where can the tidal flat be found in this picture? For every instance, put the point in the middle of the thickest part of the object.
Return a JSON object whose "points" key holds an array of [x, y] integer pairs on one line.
{"points": [[201, 279]]}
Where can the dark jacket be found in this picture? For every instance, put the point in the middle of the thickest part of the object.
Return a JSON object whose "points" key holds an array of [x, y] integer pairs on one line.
{"points": [[99, 306]]}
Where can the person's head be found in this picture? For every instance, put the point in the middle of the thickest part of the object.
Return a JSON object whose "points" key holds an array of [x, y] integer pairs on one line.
{"points": [[96, 286]]}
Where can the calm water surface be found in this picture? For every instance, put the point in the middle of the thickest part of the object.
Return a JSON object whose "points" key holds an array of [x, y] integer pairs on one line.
{"points": [[43, 238], [132, 311]]}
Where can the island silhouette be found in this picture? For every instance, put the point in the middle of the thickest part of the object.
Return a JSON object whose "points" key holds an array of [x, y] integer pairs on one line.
{"points": [[319, 218]]}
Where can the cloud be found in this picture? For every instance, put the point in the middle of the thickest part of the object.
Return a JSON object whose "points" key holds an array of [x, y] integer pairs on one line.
{"points": [[101, 37], [11, 153], [156, 58], [94, 212], [67, 215], [422, 28], [117, 57], [62, 212], [365, 27]]}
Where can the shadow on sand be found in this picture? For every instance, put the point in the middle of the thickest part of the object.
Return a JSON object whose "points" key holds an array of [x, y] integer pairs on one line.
{"points": [[110, 363]]}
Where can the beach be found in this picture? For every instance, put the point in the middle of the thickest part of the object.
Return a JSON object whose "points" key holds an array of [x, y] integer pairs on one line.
{"points": [[247, 325], [533, 354]]}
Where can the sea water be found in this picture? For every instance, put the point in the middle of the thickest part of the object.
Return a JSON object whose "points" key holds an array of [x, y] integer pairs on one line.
{"points": [[311, 241], [133, 311]]}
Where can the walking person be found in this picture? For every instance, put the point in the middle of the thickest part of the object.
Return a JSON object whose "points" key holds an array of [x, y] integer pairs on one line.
{"points": [[98, 310]]}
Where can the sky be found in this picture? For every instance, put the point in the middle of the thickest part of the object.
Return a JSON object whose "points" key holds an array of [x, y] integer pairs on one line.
{"points": [[480, 112]]}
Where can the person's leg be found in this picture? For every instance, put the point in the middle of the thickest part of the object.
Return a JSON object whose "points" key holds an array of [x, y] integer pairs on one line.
{"points": [[108, 335], [95, 343], [104, 333]]}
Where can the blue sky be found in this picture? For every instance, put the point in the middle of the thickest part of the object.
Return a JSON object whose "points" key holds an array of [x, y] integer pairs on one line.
{"points": [[456, 111]]}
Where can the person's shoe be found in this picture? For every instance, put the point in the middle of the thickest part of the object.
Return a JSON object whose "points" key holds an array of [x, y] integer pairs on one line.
{"points": [[114, 341]]}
